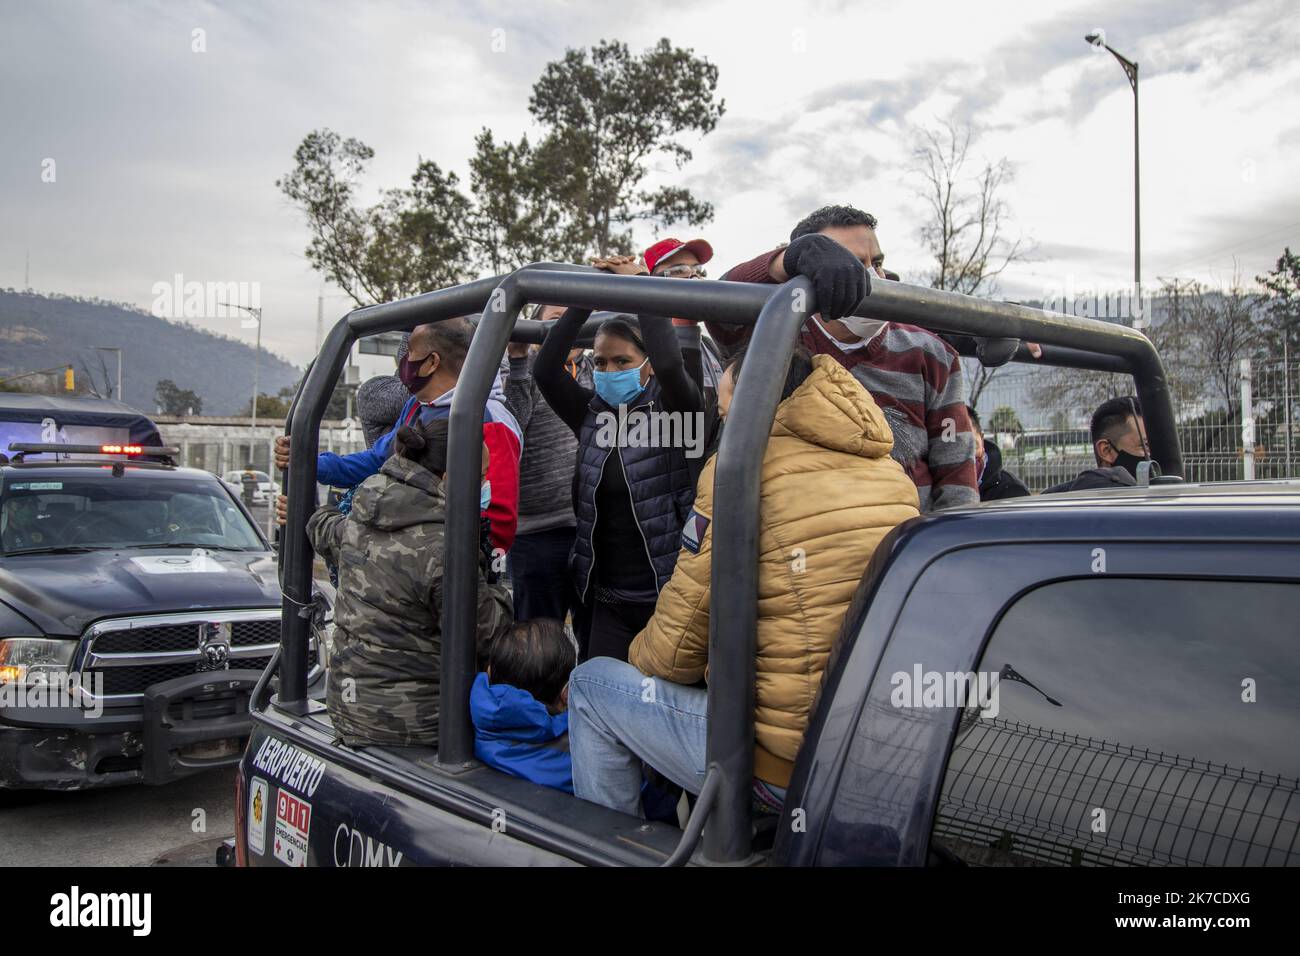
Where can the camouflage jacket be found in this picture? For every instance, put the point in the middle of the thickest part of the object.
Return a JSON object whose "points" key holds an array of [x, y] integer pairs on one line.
{"points": [[384, 671]]}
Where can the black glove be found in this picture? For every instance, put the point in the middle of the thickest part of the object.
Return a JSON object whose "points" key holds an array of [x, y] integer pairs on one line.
{"points": [[486, 552], [839, 281]]}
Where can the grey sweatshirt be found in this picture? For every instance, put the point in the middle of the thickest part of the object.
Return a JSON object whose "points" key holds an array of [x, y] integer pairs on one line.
{"points": [[550, 451]]}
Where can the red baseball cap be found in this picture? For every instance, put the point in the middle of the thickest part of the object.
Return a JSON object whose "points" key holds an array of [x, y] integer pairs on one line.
{"points": [[664, 248]]}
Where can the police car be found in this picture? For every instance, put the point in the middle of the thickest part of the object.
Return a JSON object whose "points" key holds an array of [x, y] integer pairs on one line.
{"points": [[139, 604]]}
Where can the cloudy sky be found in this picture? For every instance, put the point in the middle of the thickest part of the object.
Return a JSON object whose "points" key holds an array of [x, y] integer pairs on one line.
{"points": [[166, 158]]}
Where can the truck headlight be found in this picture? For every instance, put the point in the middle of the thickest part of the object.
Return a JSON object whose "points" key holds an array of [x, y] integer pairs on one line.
{"points": [[30, 660]]}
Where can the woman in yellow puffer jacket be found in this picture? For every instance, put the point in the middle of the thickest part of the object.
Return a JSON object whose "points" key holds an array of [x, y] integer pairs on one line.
{"points": [[829, 493]]}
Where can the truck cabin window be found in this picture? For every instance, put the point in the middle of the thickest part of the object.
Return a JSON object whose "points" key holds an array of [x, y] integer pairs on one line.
{"points": [[41, 514], [1162, 733]]}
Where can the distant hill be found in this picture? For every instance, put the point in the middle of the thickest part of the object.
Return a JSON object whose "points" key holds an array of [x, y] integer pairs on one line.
{"points": [[38, 332]]}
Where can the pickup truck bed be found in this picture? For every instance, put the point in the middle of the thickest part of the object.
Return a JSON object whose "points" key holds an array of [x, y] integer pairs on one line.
{"points": [[881, 784], [436, 815]]}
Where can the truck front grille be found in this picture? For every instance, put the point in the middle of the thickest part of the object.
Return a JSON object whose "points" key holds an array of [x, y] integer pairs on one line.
{"points": [[132, 654], [169, 637]]}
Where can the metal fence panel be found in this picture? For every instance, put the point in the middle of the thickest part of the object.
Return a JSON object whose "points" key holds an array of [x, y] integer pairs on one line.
{"points": [[1046, 443]]}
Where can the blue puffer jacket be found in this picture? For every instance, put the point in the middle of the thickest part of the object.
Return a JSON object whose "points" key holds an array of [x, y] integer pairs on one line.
{"points": [[662, 492], [516, 734]]}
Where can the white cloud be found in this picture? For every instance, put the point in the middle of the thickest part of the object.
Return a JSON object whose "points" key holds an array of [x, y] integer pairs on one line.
{"points": [[167, 159]]}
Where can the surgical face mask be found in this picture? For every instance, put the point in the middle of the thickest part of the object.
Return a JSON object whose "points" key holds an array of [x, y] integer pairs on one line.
{"points": [[485, 496], [407, 370], [619, 388], [863, 328]]}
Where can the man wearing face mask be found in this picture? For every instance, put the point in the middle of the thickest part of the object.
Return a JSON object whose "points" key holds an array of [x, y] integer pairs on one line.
{"points": [[1119, 443], [914, 376], [435, 354]]}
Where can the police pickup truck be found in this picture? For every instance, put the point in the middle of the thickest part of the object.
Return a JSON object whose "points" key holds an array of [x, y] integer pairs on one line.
{"points": [[1081, 679], [139, 603]]}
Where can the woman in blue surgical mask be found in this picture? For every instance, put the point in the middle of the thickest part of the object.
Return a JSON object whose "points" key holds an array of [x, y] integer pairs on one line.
{"points": [[641, 433]]}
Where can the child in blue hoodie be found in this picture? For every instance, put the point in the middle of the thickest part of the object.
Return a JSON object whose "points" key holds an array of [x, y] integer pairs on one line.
{"points": [[519, 705]]}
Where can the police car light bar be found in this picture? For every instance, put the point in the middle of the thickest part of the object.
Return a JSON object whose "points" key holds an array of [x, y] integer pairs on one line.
{"points": [[27, 448]]}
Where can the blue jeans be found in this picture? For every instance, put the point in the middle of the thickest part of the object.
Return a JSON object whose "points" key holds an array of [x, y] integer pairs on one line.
{"points": [[619, 717], [539, 574]]}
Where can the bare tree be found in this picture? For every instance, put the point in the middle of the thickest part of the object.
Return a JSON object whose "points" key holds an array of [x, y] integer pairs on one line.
{"points": [[1228, 328], [965, 229], [1201, 336], [98, 382]]}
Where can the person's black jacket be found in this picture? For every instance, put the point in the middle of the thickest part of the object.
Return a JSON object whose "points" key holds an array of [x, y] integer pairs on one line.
{"points": [[1093, 478], [659, 482], [996, 484]]}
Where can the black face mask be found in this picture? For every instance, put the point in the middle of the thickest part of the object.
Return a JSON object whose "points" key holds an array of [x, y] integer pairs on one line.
{"points": [[1129, 462]]}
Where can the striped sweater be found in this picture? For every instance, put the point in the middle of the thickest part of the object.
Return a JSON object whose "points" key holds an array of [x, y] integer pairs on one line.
{"points": [[916, 379]]}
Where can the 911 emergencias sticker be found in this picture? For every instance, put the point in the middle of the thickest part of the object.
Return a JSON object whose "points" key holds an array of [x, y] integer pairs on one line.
{"points": [[292, 826]]}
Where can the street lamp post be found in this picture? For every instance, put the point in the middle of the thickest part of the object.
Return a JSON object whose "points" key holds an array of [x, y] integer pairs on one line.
{"points": [[256, 313], [1097, 40], [118, 350]]}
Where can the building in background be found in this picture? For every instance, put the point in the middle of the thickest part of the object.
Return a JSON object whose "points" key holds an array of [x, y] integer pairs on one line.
{"points": [[220, 444]]}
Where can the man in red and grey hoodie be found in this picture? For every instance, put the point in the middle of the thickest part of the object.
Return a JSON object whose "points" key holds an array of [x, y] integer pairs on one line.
{"points": [[914, 376], [430, 370]]}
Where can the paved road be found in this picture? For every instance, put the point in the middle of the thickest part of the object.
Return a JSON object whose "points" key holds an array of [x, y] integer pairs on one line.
{"points": [[120, 826]]}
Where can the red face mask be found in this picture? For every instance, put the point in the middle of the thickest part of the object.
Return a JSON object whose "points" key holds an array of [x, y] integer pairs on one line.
{"points": [[406, 371]]}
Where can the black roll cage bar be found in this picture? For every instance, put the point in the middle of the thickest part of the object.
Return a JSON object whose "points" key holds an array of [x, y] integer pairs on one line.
{"points": [[777, 312]]}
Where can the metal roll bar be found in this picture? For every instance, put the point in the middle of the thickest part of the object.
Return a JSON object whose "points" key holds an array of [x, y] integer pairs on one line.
{"points": [[779, 311], [733, 614]]}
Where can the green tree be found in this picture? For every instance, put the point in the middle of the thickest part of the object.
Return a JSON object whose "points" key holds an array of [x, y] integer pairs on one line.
{"points": [[174, 400], [516, 219], [269, 407], [409, 242], [1282, 327], [1005, 419], [607, 114]]}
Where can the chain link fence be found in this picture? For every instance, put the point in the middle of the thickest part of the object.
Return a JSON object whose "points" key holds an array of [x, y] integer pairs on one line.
{"points": [[1238, 421]]}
